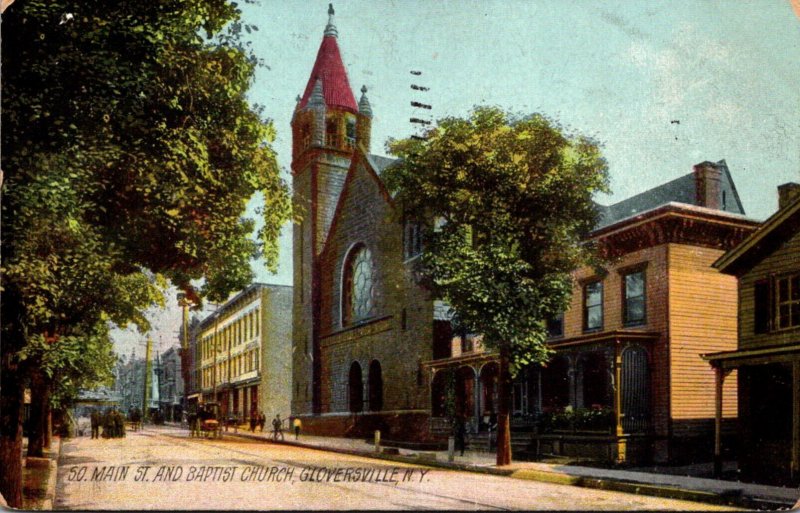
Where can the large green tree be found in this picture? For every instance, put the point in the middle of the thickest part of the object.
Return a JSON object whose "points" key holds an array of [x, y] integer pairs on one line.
{"points": [[507, 202], [130, 152]]}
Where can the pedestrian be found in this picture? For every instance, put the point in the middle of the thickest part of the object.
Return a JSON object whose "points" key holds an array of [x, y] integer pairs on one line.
{"points": [[95, 419], [460, 434], [297, 425], [108, 424], [253, 420], [262, 419], [119, 424], [277, 427]]}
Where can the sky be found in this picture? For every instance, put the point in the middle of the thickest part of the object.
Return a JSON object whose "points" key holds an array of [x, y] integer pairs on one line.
{"points": [[662, 85]]}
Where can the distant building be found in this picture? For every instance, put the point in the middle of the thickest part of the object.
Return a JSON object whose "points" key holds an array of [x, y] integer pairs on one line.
{"points": [[129, 383], [170, 385], [245, 352], [767, 359], [190, 366]]}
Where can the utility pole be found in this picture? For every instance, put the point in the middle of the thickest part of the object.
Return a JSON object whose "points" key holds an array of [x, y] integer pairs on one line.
{"points": [[186, 370]]}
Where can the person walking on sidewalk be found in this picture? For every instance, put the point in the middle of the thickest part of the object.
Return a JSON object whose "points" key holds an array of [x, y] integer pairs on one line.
{"points": [[277, 427], [297, 425], [253, 420], [262, 419]]}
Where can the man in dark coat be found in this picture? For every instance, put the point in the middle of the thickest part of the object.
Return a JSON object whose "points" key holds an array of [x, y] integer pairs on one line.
{"points": [[95, 419]]}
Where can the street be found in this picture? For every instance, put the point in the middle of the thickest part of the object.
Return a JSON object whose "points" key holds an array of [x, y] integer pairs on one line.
{"points": [[162, 468]]}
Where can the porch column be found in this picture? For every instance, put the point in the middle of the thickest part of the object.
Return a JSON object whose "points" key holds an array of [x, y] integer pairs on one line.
{"points": [[719, 380], [795, 464], [621, 448], [476, 398]]}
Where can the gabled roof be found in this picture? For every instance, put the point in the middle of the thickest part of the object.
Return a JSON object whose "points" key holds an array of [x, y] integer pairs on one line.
{"points": [[379, 163], [780, 227], [679, 190], [330, 69]]}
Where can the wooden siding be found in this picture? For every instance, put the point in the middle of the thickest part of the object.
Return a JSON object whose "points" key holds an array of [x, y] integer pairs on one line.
{"points": [[656, 295], [785, 260], [702, 319]]}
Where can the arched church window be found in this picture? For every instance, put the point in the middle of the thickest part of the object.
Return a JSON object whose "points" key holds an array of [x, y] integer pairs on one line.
{"points": [[358, 285], [355, 386]]}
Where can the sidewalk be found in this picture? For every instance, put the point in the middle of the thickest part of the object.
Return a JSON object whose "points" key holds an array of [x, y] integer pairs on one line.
{"points": [[39, 478], [715, 491]]}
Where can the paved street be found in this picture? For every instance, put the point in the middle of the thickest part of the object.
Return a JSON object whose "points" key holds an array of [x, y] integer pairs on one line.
{"points": [[162, 468]]}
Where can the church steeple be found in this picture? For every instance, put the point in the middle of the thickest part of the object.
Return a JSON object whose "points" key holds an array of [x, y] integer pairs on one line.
{"points": [[330, 28], [330, 69]]}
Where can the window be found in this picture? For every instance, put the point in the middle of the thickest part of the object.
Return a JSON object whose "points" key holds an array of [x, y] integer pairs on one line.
{"points": [[351, 132], [787, 313], [332, 133], [412, 239], [467, 342], [761, 304], [634, 294], [375, 386], [358, 286], [593, 305], [555, 325]]}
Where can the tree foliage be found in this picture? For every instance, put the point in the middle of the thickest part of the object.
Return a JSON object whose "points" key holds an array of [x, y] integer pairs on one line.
{"points": [[507, 202], [144, 104], [130, 152]]}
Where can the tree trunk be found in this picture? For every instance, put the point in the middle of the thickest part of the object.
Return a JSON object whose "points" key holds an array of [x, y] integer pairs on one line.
{"points": [[503, 411], [11, 414], [40, 412]]}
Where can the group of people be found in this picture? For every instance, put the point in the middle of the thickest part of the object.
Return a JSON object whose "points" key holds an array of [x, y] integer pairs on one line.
{"points": [[112, 421], [257, 419]]}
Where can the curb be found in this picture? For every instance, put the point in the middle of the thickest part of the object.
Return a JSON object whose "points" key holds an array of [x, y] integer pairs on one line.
{"points": [[732, 497], [52, 479]]}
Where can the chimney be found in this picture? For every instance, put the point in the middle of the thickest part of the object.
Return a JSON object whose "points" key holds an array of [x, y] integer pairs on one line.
{"points": [[707, 180], [787, 193]]}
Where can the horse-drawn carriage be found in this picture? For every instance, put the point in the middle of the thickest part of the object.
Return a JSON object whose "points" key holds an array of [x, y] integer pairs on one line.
{"points": [[206, 422]]}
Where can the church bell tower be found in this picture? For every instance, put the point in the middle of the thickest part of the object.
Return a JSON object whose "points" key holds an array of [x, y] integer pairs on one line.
{"points": [[328, 127]]}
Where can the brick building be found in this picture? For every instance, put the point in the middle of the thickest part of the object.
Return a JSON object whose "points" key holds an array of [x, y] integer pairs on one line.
{"points": [[373, 350], [362, 326], [244, 352]]}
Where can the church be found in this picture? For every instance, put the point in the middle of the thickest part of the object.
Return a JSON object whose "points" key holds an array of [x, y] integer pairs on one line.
{"points": [[372, 349], [362, 327]]}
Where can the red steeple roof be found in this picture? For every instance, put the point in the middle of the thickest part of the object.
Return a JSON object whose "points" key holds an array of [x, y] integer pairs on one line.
{"points": [[335, 86]]}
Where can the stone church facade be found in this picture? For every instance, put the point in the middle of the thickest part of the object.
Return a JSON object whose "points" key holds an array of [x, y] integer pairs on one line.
{"points": [[362, 326]]}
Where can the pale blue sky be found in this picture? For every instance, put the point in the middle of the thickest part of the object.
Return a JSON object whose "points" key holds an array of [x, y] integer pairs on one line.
{"points": [[621, 71]]}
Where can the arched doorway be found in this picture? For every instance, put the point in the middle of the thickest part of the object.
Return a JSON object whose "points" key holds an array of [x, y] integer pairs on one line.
{"points": [[593, 376], [355, 388], [465, 392], [438, 394], [375, 386], [488, 376], [635, 390]]}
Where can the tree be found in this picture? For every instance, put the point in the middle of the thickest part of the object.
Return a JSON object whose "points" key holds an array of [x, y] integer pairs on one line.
{"points": [[129, 151], [507, 202]]}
